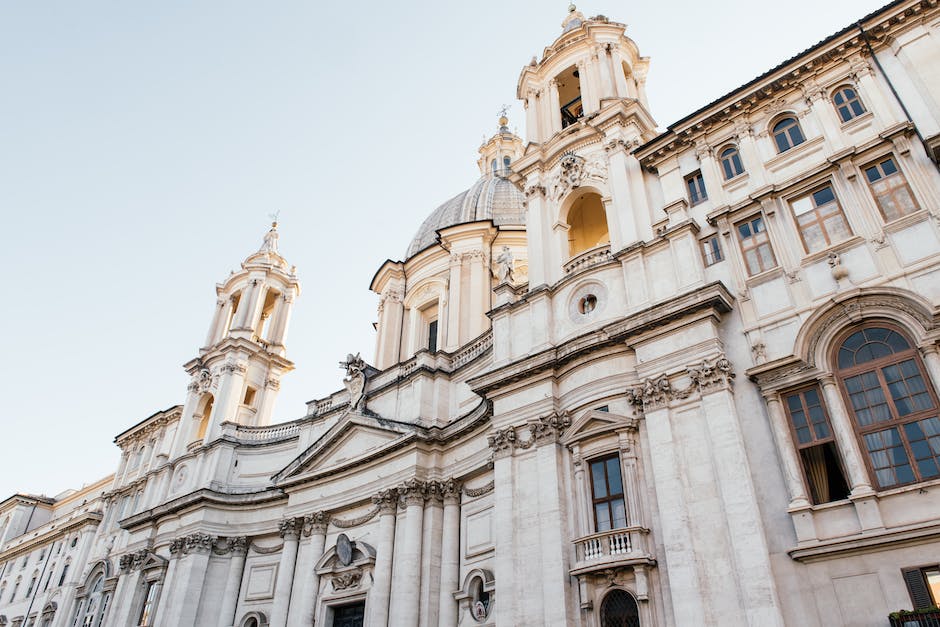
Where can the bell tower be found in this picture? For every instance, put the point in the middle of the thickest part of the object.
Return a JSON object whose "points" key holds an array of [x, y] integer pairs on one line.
{"points": [[237, 374], [586, 110], [500, 150]]}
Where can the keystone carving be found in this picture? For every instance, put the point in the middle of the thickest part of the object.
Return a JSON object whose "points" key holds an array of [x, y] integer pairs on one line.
{"points": [[345, 581]]}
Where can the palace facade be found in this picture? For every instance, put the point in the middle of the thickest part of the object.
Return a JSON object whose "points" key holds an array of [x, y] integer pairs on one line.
{"points": [[628, 378]]}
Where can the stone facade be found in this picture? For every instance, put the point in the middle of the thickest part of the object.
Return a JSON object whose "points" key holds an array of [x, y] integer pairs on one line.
{"points": [[629, 377]]}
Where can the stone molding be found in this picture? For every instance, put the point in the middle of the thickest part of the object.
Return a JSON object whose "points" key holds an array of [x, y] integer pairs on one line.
{"points": [[193, 543], [484, 489], [574, 170], [657, 392]]}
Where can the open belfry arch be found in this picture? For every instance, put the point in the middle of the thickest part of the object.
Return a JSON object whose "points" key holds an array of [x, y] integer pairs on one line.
{"points": [[627, 377]]}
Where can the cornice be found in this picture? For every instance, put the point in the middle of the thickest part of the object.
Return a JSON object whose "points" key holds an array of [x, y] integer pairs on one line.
{"points": [[92, 518], [714, 297], [202, 497]]}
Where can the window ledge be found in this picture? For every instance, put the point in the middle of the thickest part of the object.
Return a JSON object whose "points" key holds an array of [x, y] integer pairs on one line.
{"points": [[864, 542], [736, 182], [796, 153], [899, 224], [859, 121], [763, 277], [838, 247]]}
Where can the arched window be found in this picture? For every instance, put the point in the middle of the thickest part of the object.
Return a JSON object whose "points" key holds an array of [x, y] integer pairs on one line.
{"points": [[206, 413], [731, 162], [493, 165], [506, 162], [892, 403], [787, 134], [588, 221], [847, 103], [95, 605], [65, 572], [619, 609]]}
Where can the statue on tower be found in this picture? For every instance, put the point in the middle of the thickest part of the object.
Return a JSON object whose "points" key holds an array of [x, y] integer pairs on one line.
{"points": [[505, 264], [270, 238]]}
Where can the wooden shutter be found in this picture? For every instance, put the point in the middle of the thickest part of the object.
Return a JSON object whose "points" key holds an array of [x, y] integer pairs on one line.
{"points": [[917, 587]]}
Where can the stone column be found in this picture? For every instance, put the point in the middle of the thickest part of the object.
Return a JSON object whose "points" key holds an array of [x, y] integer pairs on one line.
{"points": [[192, 553], [532, 118], [792, 473], [281, 320], [404, 610], [432, 536], [290, 531], [537, 224], [379, 596], [450, 554], [631, 480], [845, 438], [554, 106], [584, 524], [623, 232], [870, 92], [452, 338], [616, 68], [216, 322], [231, 384], [502, 442], [750, 155], [238, 548], [932, 361], [246, 306], [307, 584], [480, 288], [710, 173]]}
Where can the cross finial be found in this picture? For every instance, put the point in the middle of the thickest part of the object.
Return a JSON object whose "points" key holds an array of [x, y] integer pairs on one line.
{"points": [[274, 217]]}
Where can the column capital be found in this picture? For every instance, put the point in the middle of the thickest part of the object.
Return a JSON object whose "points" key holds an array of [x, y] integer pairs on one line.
{"points": [[826, 379], [386, 501], [193, 543], [316, 523], [414, 491], [548, 429], [235, 545], [450, 491], [929, 349], [290, 528], [502, 441]]}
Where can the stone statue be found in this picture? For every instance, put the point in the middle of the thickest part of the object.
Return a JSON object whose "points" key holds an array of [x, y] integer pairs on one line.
{"points": [[270, 240], [355, 380], [505, 265]]}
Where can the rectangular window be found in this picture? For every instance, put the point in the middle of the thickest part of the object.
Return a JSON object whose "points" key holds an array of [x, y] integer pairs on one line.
{"points": [[696, 186], [890, 189], [809, 424], [923, 584], [432, 336], [610, 510], [820, 219], [711, 250], [755, 246], [146, 612]]}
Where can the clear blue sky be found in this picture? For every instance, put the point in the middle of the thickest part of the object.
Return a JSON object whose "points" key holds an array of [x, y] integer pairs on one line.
{"points": [[142, 146]]}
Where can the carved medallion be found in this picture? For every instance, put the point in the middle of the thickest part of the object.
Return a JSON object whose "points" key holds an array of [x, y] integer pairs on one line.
{"points": [[344, 550]]}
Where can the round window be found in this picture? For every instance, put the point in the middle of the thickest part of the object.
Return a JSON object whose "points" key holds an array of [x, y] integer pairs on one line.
{"points": [[587, 304]]}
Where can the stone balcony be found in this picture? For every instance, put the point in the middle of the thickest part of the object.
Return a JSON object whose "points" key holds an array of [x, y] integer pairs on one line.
{"points": [[588, 259], [611, 549]]}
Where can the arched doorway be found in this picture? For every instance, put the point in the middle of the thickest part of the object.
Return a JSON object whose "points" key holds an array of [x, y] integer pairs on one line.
{"points": [[619, 609]]}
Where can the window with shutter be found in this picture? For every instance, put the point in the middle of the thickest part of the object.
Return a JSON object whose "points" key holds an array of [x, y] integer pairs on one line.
{"points": [[922, 585]]}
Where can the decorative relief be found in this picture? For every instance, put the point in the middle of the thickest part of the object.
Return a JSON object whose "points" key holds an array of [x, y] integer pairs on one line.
{"points": [[484, 489], [272, 383], [502, 441], [532, 190], [133, 561], [838, 271], [345, 581], [450, 490], [549, 428], [657, 392], [573, 171], [413, 491], [203, 381], [760, 352], [359, 520], [193, 543], [233, 366], [224, 546]]}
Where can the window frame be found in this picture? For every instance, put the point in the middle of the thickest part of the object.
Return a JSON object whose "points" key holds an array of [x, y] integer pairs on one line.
{"points": [[847, 104], [816, 441], [725, 162], [743, 251], [897, 421], [695, 188], [717, 250], [611, 497], [820, 221], [905, 184], [785, 132], [934, 599]]}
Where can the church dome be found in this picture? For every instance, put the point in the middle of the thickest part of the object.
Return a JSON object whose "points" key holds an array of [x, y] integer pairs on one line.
{"points": [[490, 198]]}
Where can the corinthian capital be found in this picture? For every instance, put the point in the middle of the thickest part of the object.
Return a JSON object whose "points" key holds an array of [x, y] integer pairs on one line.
{"points": [[290, 528], [386, 501]]}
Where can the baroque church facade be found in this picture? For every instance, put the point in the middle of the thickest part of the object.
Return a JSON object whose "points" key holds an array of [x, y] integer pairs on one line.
{"points": [[628, 378]]}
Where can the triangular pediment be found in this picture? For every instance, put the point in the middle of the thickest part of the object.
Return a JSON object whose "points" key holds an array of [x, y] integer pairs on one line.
{"points": [[353, 438], [594, 422]]}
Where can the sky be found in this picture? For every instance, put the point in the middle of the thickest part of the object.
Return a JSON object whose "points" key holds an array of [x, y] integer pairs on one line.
{"points": [[143, 146]]}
